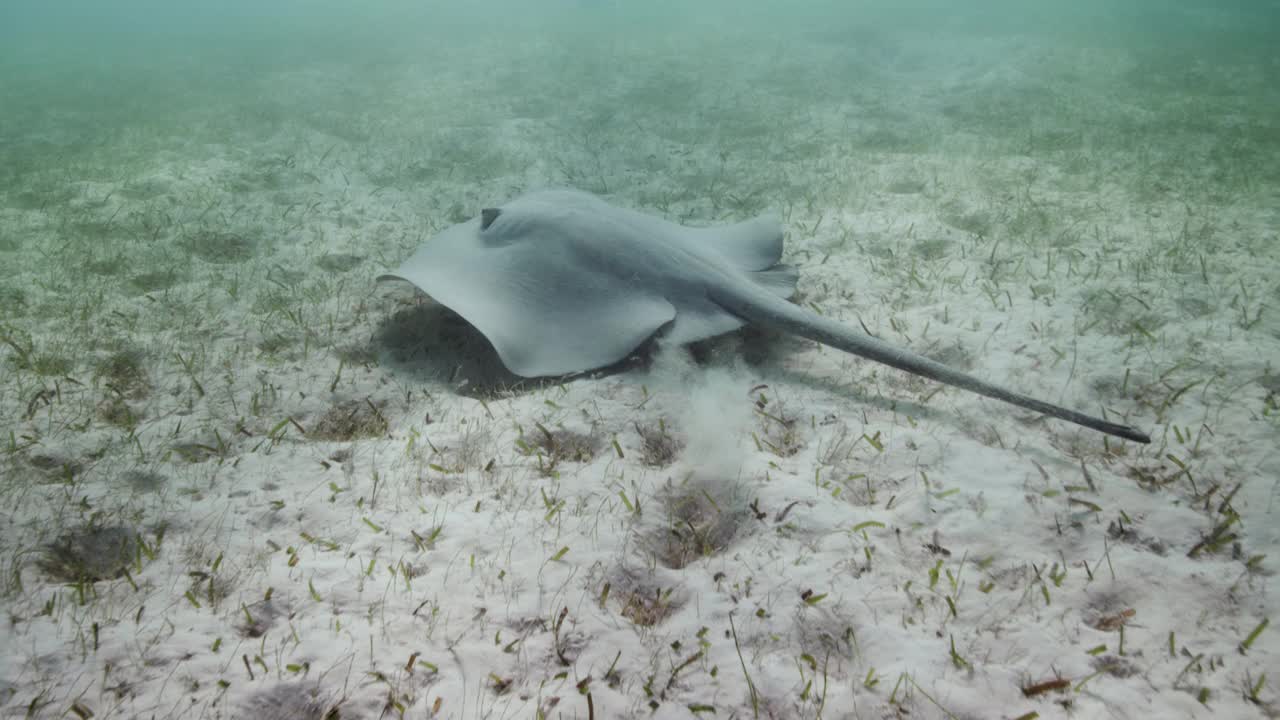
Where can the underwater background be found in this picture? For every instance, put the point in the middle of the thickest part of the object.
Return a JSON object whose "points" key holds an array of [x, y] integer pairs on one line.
{"points": [[240, 478]]}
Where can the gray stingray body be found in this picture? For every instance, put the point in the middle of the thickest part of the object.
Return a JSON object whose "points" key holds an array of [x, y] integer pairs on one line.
{"points": [[560, 282]]}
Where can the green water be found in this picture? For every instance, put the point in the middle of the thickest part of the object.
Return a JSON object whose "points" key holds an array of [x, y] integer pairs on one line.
{"points": [[205, 397], [168, 166]]}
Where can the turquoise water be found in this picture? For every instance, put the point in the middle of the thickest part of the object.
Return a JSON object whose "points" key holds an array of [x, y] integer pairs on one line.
{"points": [[197, 368]]}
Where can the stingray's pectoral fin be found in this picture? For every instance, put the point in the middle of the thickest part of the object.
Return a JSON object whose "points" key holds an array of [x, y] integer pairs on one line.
{"points": [[549, 338], [544, 314], [752, 245]]}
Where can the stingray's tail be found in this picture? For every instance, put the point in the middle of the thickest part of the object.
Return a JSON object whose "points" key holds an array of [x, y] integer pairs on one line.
{"points": [[767, 310]]}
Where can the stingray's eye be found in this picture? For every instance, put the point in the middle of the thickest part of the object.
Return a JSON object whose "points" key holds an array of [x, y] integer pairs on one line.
{"points": [[487, 216]]}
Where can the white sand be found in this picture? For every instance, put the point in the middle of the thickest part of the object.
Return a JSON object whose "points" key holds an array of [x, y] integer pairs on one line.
{"points": [[1073, 221]]}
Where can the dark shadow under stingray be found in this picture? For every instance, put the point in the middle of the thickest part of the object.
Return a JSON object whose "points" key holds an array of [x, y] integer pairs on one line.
{"points": [[433, 343], [429, 341]]}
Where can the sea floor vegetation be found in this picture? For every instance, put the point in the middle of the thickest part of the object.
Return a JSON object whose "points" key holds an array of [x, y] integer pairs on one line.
{"points": [[240, 478]]}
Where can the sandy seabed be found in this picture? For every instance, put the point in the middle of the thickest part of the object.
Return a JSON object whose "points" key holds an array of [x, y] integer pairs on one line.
{"points": [[241, 479]]}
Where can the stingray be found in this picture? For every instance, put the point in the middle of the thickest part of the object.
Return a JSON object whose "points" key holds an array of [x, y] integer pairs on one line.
{"points": [[561, 282]]}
